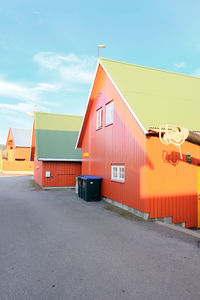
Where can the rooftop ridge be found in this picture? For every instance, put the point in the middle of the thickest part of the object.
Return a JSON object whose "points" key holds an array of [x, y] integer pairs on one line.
{"points": [[101, 59], [63, 115]]}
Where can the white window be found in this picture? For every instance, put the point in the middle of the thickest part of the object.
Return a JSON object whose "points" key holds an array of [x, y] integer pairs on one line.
{"points": [[118, 173], [99, 118], [109, 113]]}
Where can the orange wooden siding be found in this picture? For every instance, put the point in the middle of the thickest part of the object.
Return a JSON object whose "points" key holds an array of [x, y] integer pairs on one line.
{"points": [[33, 145], [18, 161], [62, 173], [1, 160], [21, 153], [120, 143], [9, 142], [170, 186], [17, 166]]}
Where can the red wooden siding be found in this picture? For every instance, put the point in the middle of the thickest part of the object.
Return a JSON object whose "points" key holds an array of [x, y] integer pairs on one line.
{"points": [[38, 171], [62, 173], [171, 184], [156, 180], [123, 142]]}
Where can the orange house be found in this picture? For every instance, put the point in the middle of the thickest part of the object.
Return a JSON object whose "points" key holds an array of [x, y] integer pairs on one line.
{"points": [[16, 156], [140, 173]]}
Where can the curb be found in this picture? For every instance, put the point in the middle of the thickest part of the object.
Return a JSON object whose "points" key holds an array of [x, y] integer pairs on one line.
{"points": [[181, 229]]}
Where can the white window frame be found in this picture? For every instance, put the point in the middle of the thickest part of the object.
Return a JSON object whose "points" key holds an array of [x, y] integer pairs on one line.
{"points": [[99, 119], [118, 173], [109, 113]]}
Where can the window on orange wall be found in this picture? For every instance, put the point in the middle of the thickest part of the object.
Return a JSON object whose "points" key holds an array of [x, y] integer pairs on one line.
{"points": [[109, 113], [99, 119], [118, 173]]}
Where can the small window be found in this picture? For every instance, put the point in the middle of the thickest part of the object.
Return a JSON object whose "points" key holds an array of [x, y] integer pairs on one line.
{"points": [[99, 118], [109, 113], [118, 173]]}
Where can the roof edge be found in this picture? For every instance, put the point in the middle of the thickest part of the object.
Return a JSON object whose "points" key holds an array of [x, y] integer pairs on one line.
{"points": [[67, 115], [60, 159], [83, 121], [123, 98], [150, 68]]}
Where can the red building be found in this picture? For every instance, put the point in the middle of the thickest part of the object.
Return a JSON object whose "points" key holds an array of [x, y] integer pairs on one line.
{"points": [[56, 161], [139, 172]]}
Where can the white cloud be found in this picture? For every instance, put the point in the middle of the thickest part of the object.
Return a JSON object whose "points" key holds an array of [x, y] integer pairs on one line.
{"points": [[22, 92], [180, 65], [71, 68], [19, 107], [47, 87], [17, 91], [69, 71]]}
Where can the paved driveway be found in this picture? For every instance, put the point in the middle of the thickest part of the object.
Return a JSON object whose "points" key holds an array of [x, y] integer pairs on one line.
{"points": [[54, 245]]}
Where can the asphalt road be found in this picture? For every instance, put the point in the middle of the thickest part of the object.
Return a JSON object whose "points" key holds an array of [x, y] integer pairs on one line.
{"points": [[54, 245]]}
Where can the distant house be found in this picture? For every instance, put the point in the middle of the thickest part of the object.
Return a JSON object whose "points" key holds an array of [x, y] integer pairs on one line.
{"points": [[139, 172], [2, 147], [16, 156], [18, 144], [56, 161]]}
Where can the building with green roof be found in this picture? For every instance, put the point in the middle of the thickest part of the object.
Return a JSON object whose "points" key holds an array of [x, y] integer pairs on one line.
{"points": [[54, 137], [120, 143]]}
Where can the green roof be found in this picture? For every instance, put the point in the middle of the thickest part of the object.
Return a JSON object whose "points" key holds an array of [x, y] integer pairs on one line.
{"points": [[56, 136], [46, 121], [157, 97]]}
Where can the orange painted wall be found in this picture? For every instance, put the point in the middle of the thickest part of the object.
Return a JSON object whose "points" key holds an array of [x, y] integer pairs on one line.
{"points": [[33, 145], [170, 185], [123, 143], [62, 173], [9, 142], [21, 153], [15, 166], [1, 160]]}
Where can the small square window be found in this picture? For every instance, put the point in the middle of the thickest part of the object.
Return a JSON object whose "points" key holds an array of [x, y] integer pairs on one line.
{"points": [[99, 119], [118, 173], [109, 113]]}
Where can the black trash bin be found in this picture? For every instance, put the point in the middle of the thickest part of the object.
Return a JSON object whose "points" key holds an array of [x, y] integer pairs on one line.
{"points": [[91, 188], [80, 186]]}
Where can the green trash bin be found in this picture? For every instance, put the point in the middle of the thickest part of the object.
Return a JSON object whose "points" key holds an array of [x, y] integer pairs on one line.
{"points": [[91, 188], [80, 186]]}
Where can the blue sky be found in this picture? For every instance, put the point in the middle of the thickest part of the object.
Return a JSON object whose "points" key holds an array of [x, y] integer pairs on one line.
{"points": [[48, 49]]}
